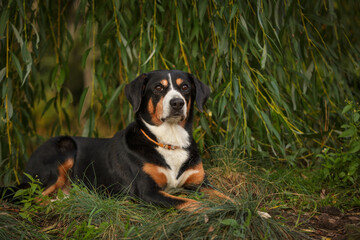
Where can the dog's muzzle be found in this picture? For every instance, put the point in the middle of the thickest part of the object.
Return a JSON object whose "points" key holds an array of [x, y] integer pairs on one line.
{"points": [[177, 110]]}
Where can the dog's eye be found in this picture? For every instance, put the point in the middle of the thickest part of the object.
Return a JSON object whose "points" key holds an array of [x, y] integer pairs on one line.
{"points": [[159, 88], [184, 87]]}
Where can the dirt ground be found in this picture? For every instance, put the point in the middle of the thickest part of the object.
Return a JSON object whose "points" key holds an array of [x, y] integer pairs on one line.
{"points": [[328, 224]]}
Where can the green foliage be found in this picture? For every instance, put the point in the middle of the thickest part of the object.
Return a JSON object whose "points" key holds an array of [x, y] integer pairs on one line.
{"points": [[13, 227], [351, 131], [32, 200], [237, 229], [85, 230], [342, 166], [88, 215], [277, 70]]}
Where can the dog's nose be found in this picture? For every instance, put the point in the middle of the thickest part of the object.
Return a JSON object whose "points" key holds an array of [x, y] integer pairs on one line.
{"points": [[177, 103]]}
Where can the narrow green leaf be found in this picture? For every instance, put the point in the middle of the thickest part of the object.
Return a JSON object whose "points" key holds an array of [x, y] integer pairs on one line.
{"points": [[202, 9], [270, 126], [53, 74], [28, 61], [243, 23], [102, 85], [20, 7], [259, 11], [84, 57], [264, 56], [61, 79], [293, 99], [233, 12], [10, 108], [180, 18], [81, 102], [37, 36], [2, 73], [48, 104], [17, 35], [277, 15], [3, 20], [17, 65], [113, 97], [151, 55]]}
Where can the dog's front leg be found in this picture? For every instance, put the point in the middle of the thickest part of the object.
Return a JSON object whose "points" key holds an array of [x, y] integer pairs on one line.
{"points": [[168, 200]]}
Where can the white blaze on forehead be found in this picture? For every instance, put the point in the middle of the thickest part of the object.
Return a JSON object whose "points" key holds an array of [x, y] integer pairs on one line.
{"points": [[170, 81], [171, 94]]}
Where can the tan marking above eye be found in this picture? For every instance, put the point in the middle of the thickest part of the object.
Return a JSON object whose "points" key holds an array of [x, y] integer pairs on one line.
{"points": [[188, 205], [179, 81], [164, 82]]}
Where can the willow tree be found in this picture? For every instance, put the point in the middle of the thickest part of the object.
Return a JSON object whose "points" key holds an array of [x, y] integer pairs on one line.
{"points": [[279, 70]]}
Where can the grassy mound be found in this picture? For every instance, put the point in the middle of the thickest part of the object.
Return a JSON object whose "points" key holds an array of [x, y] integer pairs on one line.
{"points": [[88, 214]]}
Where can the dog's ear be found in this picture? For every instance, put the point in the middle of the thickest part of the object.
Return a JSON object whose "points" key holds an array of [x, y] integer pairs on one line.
{"points": [[134, 91], [202, 92]]}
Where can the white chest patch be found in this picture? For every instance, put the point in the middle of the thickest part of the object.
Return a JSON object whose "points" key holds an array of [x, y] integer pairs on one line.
{"points": [[175, 135], [175, 159]]}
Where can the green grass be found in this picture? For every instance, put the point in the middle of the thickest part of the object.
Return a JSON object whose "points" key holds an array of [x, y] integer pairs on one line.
{"points": [[88, 214], [114, 218], [280, 71]]}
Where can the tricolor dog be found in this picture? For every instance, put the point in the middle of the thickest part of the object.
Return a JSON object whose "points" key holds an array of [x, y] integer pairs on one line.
{"points": [[154, 154]]}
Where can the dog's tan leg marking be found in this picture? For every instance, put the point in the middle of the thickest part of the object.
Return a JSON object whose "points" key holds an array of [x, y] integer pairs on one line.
{"points": [[153, 172], [189, 205], [212, 193], [63, 181], [196, 178]]}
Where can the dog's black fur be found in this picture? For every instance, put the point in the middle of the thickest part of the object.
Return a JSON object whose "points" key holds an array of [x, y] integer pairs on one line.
{"points": [[132, 161]]}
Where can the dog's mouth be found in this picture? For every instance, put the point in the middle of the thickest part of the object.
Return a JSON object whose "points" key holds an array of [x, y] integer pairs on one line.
{"points": [[174, 118]]}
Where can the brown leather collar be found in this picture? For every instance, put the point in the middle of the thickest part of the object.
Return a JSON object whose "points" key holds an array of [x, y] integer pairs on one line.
{"points": [[166, 146]]}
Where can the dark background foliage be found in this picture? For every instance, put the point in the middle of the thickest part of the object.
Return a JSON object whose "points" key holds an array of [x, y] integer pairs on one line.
{"points": [[280, 71]]}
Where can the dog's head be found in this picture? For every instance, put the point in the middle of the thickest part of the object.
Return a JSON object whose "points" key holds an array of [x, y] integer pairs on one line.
{"points": [[166, 96]]}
